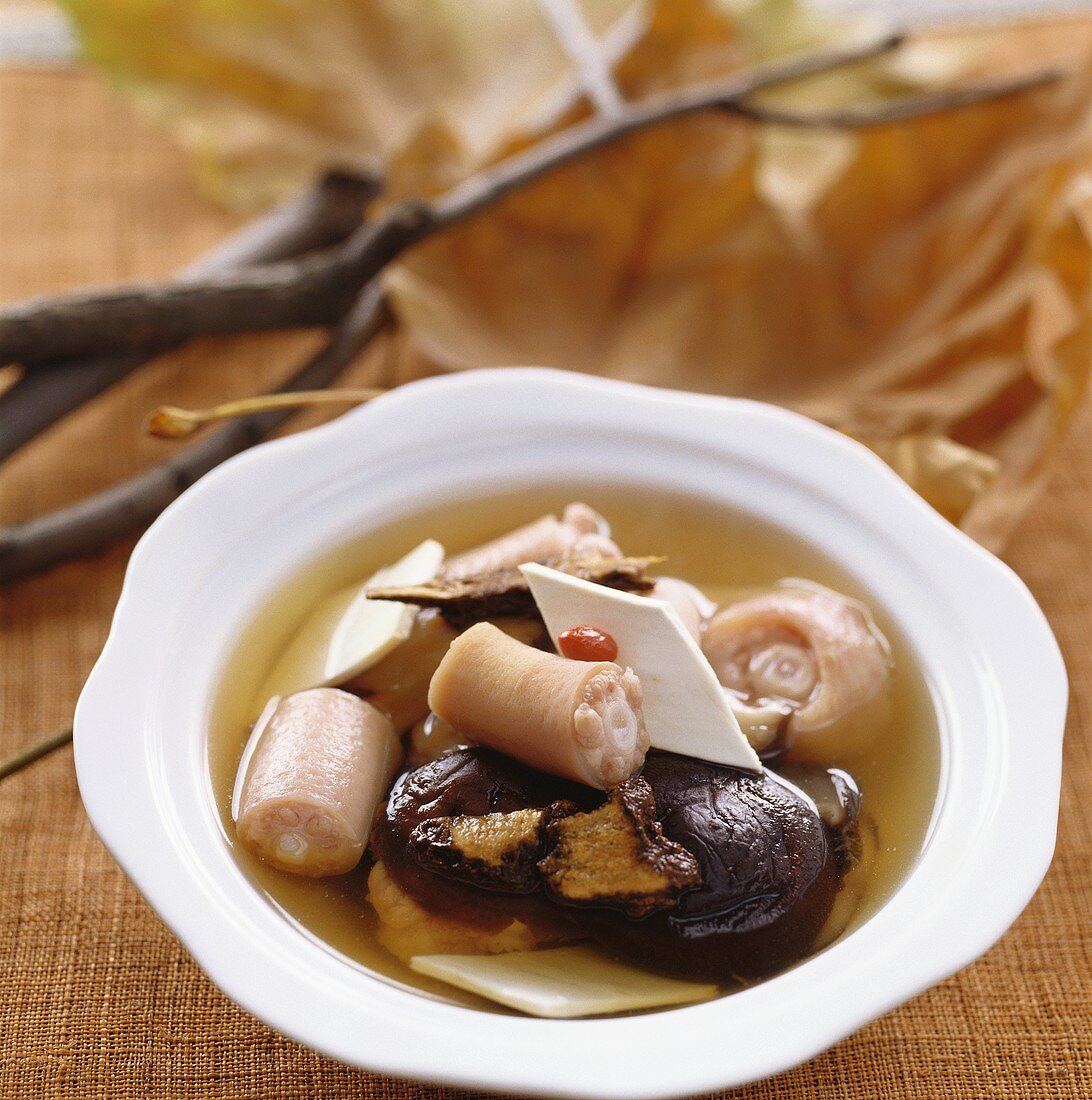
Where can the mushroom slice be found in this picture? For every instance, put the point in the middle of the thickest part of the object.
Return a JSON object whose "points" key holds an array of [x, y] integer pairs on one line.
{"points": [[617, 855], [815, 650], [561, 982], [494, 851]]}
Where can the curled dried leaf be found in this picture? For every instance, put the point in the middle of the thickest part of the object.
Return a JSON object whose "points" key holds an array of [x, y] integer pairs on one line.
{"points": [[920, 285]]}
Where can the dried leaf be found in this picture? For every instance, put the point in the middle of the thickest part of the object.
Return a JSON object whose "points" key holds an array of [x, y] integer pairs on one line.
{"points": [[925, 289], [922, 286]]}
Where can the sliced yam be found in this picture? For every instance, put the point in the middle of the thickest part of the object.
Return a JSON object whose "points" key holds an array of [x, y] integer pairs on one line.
{"points": [[398, 684], [347, 633], [561, 982], [314, 772], [685, 710]]}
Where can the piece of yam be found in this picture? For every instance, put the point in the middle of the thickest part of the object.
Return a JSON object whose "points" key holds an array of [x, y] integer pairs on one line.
{"points": [[312, 779], [398, 684], [576, 719], [407, 928], [617, 855]]}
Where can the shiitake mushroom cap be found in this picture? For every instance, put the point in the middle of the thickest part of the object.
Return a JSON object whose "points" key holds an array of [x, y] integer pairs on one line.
{"points": [[766, 860]]}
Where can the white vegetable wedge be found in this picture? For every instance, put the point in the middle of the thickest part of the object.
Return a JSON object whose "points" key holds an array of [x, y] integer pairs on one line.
{"points": [[684, 707], [560, 982], [348, 633]]}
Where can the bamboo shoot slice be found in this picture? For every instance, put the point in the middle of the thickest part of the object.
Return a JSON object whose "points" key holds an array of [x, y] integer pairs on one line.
{"points": [[561, 982], [347, 633], [684, 707]]}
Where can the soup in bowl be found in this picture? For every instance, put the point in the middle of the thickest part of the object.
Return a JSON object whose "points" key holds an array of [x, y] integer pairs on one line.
{"points": [[816, 804]]}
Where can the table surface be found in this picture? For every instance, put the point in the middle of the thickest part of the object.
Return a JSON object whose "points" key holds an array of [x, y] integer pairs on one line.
{"points": [[97, 998]]}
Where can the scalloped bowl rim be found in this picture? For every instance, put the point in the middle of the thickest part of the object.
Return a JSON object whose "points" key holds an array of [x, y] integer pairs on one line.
{"points": [[203, 567]]}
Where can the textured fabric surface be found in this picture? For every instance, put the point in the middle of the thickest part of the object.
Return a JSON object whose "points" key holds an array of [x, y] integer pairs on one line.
{"points": [[97, 999]]}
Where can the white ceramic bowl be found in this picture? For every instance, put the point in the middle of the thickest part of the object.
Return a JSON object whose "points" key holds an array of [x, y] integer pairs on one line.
{"points": [[205, 566]]}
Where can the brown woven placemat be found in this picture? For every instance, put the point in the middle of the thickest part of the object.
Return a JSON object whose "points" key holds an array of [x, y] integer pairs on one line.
{"points": [[97, 999]]}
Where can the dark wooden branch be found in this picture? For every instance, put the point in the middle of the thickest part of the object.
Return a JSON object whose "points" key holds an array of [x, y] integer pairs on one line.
{"points": [[94, 522], [322, 216], [317, 289]]}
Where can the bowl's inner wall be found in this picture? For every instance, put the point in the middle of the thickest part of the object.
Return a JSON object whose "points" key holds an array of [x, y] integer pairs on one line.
{"points": [[716, 546]]}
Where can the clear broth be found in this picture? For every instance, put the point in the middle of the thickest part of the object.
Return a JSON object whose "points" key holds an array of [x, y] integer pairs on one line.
{"points": [[720, 551]]}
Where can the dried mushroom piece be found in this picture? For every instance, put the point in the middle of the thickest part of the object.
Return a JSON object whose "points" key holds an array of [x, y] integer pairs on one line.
{"points": [[493, 851], [617, 855], [464, 601]]}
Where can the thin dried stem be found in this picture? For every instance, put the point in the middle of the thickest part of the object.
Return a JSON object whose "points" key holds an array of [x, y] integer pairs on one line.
{"points": [[171, 422], [94, 522], [20, 760], [316, 290], [901, 110]]}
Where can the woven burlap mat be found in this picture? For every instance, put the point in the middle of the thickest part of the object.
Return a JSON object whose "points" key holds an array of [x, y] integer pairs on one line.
{"points": [[97, 999]]}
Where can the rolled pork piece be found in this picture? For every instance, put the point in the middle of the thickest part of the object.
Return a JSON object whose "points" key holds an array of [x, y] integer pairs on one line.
{"points": [[815, 650], [318, 766], [546, 537], [577, 719]]}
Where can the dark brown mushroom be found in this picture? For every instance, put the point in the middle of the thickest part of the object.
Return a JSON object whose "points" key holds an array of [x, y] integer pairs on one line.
{"points": [[767, 865], [617, 856], [767, 868]]}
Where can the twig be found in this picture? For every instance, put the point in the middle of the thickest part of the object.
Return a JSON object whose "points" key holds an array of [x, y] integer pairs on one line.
{"points": [[901, 110], [314, 290], [317, 289], [171, 422], [94, 522], [321, 216], [35, 752]]}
